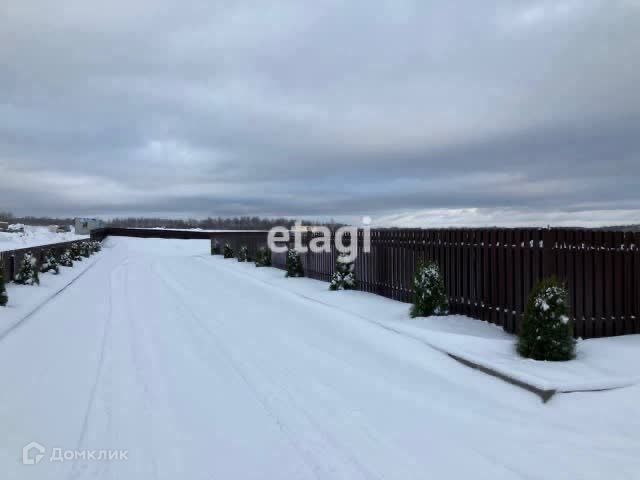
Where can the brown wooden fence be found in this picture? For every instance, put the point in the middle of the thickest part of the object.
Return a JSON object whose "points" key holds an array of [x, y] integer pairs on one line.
{"points": [[488, 273], [11, 259], [252, 240]]}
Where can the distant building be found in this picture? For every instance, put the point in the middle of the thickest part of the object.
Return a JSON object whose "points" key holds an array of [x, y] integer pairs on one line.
{"points": [[59, 228], [85, 225], [4, 226]]}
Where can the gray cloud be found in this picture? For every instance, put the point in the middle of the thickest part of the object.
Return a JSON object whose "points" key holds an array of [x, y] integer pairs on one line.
{"points": [[525, 111]]}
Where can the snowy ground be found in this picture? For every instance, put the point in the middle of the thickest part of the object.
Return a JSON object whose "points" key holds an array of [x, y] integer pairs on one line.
{"points": [[25, 300], [34, 236], [600, 364], [201, 371]]}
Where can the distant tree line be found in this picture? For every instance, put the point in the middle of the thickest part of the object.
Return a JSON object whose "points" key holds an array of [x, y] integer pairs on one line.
{"points": [[31, 220], [217, 223], [623, 228], [210, 223]]}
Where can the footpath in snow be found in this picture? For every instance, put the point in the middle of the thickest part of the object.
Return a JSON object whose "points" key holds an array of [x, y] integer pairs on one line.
{"points": [[202, 368]]}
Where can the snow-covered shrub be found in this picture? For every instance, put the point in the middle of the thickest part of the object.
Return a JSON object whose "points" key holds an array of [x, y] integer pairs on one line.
{"points": [[263, 257], [294, 264], [430, 297], [50, 263], [65, 259], [95, 246], [85, 249], [243, 254], [344, 277], [228, 251], [547, 333], [76, 252], [4, 298], [28, 272], [215, 248]]}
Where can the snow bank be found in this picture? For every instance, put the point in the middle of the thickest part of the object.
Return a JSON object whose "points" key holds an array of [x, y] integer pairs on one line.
{"points": [[601, 364], [26, 299], [34, 236]]}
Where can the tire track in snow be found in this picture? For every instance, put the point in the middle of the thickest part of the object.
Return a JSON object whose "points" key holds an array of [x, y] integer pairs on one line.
{"points": [[244, 275], [337, 448], [136, 357], [120, 307], [78, 468], [311, 464]]}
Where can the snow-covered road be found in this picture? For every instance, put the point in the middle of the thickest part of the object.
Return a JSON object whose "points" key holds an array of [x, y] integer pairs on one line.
{"points": [[201, 371]]}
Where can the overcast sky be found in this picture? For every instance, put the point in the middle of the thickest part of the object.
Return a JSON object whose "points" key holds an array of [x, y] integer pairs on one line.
{"points": [[411, 112]]}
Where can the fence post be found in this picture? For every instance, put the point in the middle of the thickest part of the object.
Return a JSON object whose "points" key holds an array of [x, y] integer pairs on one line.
{"points": [[12, 268]]}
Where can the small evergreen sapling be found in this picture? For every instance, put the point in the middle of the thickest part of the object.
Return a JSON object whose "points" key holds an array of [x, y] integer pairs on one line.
{"points": [[430, 297], [228, 251], [4, 298], [65, 259], [294, 264], [344, 277], [243, 254], [28, 272], [95, 246], [50, 263], [76, 252], [85, 249], [263, 257], [547, 333], [215, 248]]}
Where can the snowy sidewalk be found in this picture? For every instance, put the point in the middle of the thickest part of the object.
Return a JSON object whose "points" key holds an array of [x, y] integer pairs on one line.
{"points": [[199, 369], [601, 364], [24, 300]]}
